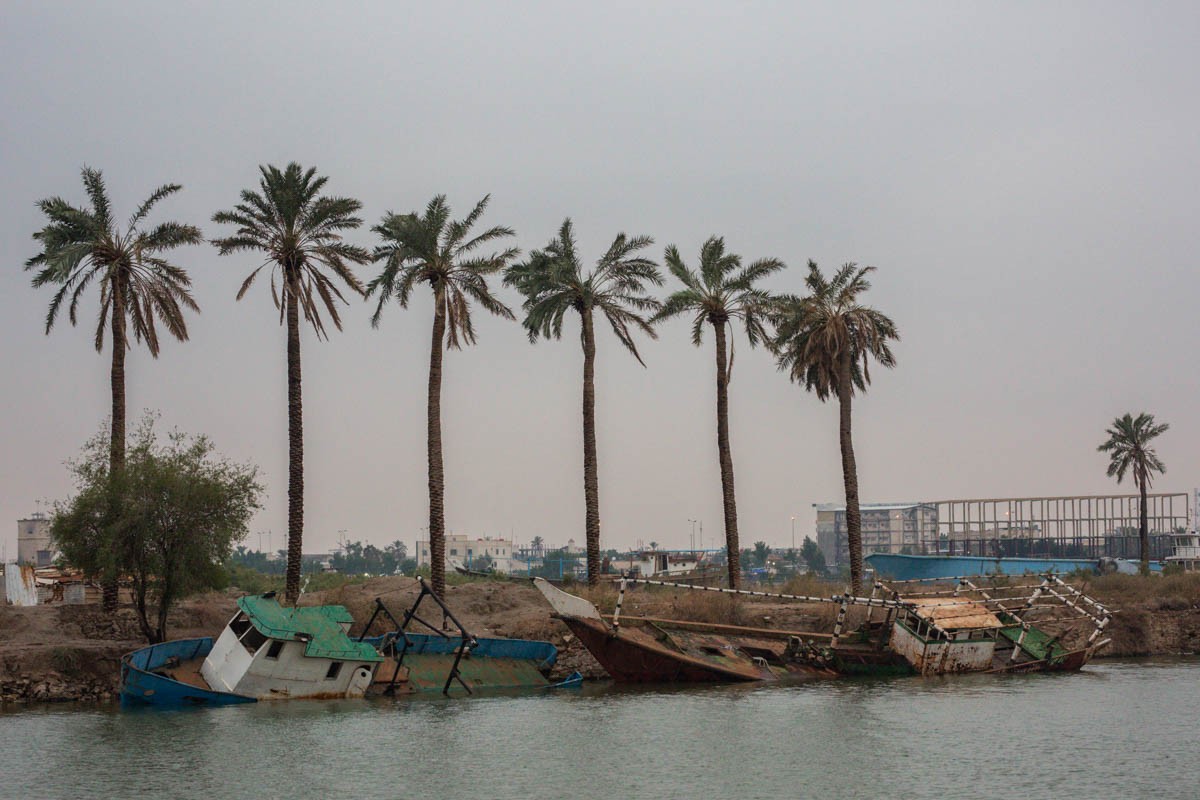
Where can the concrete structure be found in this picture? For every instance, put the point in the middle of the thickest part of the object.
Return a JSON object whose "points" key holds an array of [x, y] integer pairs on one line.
{"points": [[468, 550], [658, 563], [34, 544], [886, 528]]}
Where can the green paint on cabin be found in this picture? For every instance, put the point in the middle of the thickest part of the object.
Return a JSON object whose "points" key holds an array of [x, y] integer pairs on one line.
{"points": [[1038, 644], [319, 626]]}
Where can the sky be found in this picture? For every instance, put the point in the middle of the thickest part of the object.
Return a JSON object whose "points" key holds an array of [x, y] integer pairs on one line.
{"points": [[1023, 176]]}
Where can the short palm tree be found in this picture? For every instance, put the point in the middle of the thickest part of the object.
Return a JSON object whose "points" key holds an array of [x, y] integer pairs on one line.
{"points": [[138, 286], [553, 282], [1129, 448], [431, 248], [298, 233], [720, 293], [825, 341]]}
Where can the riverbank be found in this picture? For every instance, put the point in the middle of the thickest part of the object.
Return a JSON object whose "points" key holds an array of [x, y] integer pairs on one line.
{"points": [[72, 653]]}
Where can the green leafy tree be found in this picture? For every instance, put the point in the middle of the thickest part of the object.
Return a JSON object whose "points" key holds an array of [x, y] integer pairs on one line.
{"points": [[431, 248], [139, 288], [553, 282], [825, 342], [1129, 448], [722, 292], [182, 509], [761, 551], [298, 231], [813, 557]]}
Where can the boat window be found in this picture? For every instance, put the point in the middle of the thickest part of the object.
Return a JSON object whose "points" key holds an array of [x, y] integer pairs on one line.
{"points": [[334, 669], [252, 639], [275, 649], [239, 625]]}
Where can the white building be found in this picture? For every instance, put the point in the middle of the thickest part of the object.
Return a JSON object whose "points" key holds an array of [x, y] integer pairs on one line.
{"points": [[469, 551], [34, 544], [886, 528], [658, 563]]}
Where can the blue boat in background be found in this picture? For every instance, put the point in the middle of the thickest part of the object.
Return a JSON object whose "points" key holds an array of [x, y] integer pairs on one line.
{"points": [[908, 568], [158, 676]]}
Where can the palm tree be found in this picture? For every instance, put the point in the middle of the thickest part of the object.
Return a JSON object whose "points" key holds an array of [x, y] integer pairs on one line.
{"points": [[431, 248], [825, 341], [299, 233], [138, 286], [1128, 446], [553, 282], [722, 292]]}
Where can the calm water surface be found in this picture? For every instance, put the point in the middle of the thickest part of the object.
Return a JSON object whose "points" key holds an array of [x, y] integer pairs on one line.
{"points": [[1120, 729]]}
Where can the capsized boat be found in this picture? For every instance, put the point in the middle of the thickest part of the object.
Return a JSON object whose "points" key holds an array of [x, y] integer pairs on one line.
{"points": [[646, 650], [270, 652], [266, 652]]}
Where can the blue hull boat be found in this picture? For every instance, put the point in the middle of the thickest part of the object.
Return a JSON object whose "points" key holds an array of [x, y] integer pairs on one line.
{"points": [[906, 568], [145, 682]]}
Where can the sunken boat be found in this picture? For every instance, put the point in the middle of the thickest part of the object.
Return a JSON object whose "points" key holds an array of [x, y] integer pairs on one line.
{"points": [[925, 630], [649, 650], [268, 651]]}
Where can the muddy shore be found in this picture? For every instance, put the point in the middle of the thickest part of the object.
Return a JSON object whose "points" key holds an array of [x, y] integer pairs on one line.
{"points": [[72, 653]]}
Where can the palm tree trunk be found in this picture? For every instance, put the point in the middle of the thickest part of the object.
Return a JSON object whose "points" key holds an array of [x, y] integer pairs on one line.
{"points": [[591, 481], [1144, 529], [110, 589], [850, 477], [295, 452], [733, 554], [437, 480]]}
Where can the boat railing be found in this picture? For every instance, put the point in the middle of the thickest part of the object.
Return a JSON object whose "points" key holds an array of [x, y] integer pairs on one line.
{"points": [[1014, 601]]}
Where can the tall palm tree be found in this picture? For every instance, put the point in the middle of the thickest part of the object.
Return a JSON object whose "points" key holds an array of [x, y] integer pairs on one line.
{"points": [[298, 232], [825, 341], [138, 286], [1129, 447], [553, 282], [431, 248], [722, 291]]}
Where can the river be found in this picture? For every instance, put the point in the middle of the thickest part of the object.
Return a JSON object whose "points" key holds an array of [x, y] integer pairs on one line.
{"points": [[1119, 729]]}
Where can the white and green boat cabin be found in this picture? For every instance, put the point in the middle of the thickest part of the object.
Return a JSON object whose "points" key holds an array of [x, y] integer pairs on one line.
{"points": [[268, 651]]}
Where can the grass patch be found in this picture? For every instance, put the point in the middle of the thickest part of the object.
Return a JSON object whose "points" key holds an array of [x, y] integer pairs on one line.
{"points": [[1152, 592], [66, 660]]}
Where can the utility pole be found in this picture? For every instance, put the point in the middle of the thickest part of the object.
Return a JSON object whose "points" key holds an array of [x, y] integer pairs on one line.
{"points": [[793, 536]]}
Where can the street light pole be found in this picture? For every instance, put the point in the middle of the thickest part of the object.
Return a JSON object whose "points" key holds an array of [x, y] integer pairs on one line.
{"points": [[793, 536]]}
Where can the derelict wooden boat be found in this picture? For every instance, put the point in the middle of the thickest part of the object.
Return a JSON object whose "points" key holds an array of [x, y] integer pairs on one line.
{"points": [[666, 651]]}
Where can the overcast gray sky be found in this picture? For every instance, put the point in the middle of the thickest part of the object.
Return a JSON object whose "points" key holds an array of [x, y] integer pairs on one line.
{"points": [[1023, 175]]}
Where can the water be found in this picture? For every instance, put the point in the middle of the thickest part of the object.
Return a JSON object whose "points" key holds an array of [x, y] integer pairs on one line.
{"points": [[1119, 729]]}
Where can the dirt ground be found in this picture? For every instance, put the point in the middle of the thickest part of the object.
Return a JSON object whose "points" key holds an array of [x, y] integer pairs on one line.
{"points": [[64, 653]]}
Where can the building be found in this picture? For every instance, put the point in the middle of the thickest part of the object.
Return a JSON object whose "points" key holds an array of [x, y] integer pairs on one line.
{"points": [[34, 543], [469, 551], [886, 528]]}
